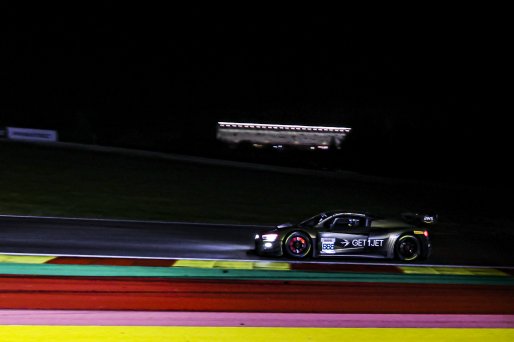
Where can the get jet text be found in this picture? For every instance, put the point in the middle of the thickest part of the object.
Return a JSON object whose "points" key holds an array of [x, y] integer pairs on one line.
{"points": [[369, 243]]}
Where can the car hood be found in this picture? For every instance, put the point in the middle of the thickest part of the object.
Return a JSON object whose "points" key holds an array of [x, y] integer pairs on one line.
{"points": [[285, 225]]}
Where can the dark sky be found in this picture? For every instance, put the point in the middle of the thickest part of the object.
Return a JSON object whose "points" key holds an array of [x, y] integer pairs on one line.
{"points": [[143, 66], [271, 58]]}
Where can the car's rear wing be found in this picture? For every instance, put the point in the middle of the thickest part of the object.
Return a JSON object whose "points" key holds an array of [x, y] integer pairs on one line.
{"points": [[420, 219]]}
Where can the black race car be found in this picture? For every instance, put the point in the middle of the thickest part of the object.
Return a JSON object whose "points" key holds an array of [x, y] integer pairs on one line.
{"points": [[339, 233]]}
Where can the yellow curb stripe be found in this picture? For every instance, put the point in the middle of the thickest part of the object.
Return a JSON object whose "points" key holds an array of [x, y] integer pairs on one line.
{"points": [[194, 263], [265, 265], [233, 265], [25, 259], [193, 334], [453, 271]]}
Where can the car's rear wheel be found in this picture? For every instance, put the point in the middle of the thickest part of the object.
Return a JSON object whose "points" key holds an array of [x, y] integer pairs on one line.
{"points": [[298, 245], [408, 248]]}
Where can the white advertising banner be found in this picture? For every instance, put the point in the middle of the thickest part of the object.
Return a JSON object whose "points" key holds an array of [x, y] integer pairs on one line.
{"points": [[30, 134]]}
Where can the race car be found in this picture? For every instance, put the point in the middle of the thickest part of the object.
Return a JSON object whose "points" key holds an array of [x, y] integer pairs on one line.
{"points": [[340, 233]]}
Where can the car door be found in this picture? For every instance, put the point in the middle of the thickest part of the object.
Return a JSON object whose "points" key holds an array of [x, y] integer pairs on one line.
{"points": [[343, 235]]}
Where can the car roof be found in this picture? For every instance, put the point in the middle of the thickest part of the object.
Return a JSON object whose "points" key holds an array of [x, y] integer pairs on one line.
{"points": [[343, 212]]}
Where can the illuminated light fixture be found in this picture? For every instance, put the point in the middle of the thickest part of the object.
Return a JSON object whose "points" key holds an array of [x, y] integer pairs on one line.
{"points": [[285, 127], [257, 236], [268, 245], [425, 233], [321, 147], [278, 136], [269, 237]]}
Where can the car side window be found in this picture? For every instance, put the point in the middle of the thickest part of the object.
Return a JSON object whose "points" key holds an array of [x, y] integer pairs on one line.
{"points": [[343, 222]]}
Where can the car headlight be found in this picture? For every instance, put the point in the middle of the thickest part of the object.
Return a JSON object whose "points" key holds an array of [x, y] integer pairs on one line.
{"points": [[269, 237]]}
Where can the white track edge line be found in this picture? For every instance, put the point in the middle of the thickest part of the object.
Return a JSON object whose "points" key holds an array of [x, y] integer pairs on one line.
{"points": [[132, 221]]}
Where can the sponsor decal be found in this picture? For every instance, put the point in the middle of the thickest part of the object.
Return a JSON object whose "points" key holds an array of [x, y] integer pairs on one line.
{"points": [[368, 243], [359, 242], [376, 243], [428, 219], [327, 245]]}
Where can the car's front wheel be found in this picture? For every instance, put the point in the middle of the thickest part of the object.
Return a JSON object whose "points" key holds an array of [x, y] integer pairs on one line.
{"points": [[298, 245], [408, 248]]}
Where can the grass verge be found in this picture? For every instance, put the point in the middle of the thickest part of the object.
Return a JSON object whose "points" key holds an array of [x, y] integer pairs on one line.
{"points": [[42, 180]]}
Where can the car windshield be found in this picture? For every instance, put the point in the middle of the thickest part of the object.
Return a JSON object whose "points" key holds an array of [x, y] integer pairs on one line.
{"points": [[311, 222]]}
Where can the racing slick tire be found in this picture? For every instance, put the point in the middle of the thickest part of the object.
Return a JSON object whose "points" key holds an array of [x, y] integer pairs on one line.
{"points": [[297, 245], [408, 248]]}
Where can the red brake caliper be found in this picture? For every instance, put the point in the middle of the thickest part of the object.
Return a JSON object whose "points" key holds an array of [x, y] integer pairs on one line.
{"points": [[292, 244]]}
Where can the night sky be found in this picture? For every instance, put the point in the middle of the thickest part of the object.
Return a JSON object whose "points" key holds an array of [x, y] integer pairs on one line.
{"points": [[432, 80]]}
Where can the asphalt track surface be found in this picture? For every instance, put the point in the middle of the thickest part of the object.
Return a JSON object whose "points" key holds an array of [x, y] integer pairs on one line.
{"points": [[181, 240], [147, 296]]}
